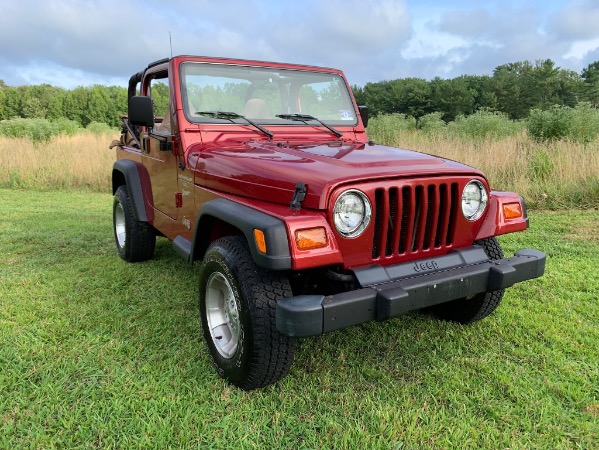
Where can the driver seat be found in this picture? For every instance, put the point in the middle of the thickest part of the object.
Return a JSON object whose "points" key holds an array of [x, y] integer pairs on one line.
{"points": [[255, 108]]}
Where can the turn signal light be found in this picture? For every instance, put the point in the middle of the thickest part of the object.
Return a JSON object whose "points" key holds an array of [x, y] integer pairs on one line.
{"points": [[311, 238], [512, 210], [260, 240]]}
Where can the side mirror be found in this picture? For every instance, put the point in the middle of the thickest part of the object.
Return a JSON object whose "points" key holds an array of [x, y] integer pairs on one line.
{"points": [[364, 114], [141, 111]]}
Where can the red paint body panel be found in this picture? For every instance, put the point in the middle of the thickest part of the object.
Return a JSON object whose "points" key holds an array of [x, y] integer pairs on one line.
{"points": [[294, 220], [495, 224], [359, 251], [261, 169]]}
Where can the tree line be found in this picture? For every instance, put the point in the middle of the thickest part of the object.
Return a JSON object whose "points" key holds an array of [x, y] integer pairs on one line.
{"points": [[514, 89], [83, 105]]}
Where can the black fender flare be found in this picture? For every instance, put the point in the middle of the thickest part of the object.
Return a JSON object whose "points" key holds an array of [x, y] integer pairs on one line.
{"points": [[246, 219], [130, 171]]}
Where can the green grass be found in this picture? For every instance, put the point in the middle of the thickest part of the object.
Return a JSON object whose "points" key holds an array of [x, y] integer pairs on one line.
{"points": [[98, 353]]}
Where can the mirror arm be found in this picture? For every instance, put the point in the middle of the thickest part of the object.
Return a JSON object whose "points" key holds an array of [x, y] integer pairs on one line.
{"points": [[130, 130]]}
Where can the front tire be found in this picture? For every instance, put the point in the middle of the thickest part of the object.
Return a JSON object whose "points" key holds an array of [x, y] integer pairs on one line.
{"points": [[472, 309], [135, 240], [237, 302]]}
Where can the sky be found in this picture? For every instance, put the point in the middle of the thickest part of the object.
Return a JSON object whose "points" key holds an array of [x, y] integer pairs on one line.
{"points": [[70, 43]]}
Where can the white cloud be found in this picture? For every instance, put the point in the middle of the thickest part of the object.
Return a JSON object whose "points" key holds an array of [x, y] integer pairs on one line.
{"points": [[48, 72], [429, 42], [474, 23], [580, 49], [479, 37], [579, 20], [66, 42]]}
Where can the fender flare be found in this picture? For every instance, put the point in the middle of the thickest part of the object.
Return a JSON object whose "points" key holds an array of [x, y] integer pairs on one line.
{"points": [[278, 256], [130, 171]]}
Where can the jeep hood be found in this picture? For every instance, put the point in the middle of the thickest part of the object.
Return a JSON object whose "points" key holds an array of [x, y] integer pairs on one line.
{"points": [[269, 171]]}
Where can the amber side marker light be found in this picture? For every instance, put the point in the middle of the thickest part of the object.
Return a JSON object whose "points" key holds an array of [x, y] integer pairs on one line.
{"points": [[311, 238], [512, 210], [260, 241]]}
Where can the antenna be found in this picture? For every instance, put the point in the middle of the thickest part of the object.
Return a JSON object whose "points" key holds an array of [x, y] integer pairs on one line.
{"points": [[170, 38]]}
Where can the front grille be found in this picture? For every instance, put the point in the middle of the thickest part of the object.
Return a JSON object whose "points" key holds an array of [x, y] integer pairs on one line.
{"points": [[414, 218]]}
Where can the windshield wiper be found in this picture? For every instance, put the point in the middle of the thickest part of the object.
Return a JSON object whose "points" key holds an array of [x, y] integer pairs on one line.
{"points": [[230, 116], [306, 117]]}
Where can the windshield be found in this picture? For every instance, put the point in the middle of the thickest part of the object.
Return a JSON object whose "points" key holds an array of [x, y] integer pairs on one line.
{"points": [[262, 94]]}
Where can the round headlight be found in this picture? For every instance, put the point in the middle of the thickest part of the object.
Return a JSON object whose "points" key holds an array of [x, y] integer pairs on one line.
{"points": [[352, 213], [474, 200]]}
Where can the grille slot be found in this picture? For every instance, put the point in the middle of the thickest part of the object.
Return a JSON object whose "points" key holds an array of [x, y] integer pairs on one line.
{"points": [[414, 218]]}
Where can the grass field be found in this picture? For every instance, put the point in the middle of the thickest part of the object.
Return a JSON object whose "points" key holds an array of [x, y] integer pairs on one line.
{"points": [[82, 161], [97, 353]]}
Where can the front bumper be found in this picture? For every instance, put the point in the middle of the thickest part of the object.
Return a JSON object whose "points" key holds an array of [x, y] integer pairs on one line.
{"points": [[388, 292]]}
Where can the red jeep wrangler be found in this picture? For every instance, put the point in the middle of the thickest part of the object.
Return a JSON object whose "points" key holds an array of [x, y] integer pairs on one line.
{"points": [[264, 173]]}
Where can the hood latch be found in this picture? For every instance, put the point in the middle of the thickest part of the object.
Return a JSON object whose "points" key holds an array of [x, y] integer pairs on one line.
{"points": [[298, 196]]}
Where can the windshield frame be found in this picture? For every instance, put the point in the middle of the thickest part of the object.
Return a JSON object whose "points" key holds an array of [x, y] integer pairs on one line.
{"points": [[345, 93]]}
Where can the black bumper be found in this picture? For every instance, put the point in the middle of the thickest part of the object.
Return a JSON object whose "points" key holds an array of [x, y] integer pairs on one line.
{"points": [[388, 292]]}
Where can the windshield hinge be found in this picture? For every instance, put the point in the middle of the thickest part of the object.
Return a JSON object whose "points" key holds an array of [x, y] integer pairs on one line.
{"points": [[298, 196]]}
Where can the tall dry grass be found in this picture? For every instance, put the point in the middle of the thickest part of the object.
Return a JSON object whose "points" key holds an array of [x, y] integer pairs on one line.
{"points": [[559, 174], [548, 175], [82, 161]]}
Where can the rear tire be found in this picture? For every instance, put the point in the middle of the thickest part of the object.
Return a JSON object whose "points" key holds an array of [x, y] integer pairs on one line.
{"points": [[237, 302], [472, 309], [135, 240]]}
